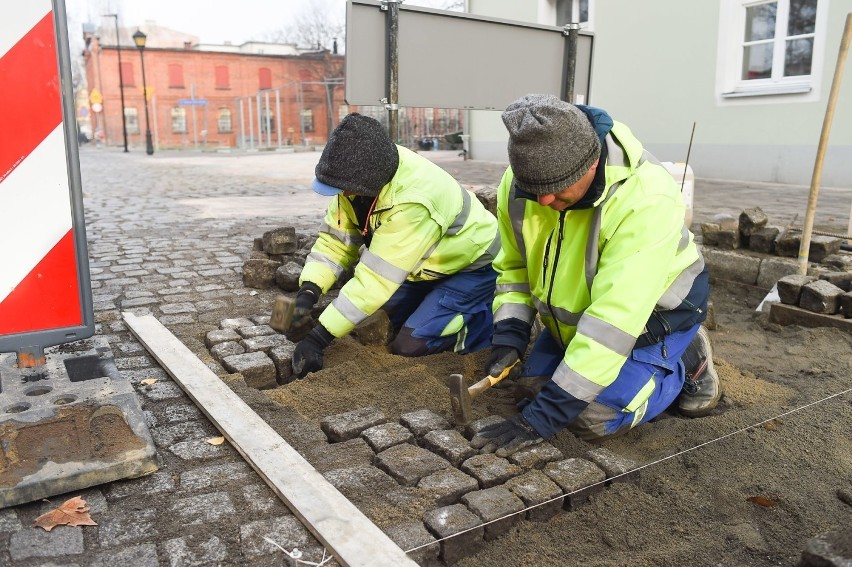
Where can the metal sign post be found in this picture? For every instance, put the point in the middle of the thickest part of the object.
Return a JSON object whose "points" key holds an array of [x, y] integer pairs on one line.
{"points": [[392, 99], [45, 290]]}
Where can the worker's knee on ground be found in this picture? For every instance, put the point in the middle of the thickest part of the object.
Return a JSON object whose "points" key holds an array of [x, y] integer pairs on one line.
{"points": [[405, 344], [593, 423]]}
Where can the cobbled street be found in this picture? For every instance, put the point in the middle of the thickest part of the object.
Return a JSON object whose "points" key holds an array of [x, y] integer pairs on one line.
{"points": [[168, 235]]}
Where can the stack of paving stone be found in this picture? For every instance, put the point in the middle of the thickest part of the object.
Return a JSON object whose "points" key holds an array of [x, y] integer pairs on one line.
{"points": [[473, 498], [748, 250], [829, 295]]}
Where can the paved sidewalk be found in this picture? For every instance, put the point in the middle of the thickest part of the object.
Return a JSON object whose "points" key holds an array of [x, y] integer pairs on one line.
{"points": [[168, 235]]}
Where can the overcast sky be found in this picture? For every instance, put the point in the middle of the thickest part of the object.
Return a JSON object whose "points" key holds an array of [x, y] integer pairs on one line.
{"points": [[213, 21]]}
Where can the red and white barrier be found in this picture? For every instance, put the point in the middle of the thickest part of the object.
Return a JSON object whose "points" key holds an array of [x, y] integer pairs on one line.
{"points": [[39, 284]]}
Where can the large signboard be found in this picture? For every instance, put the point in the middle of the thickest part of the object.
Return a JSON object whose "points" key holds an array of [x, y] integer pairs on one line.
{"points": [[456, 60], [45, 290]]}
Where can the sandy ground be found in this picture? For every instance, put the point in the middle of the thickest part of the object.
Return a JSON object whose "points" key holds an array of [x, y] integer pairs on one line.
{"points": [[782, 433]]}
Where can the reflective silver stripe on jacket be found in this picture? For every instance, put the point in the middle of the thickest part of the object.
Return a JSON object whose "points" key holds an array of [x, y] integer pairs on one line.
{"points": [[684, 239], [507, 287], [461, 218], [682, 285], [486, 257], [348, 309], [515, 311], [562, 315], [516, 209], [347, 238], [575, 384], [326, 261], [383, 267], [606, 334]]}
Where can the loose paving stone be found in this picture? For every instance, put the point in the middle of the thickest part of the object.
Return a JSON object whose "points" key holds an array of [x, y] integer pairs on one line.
{"points": [[845, 301], [490, 470], [449, 444], [763, 240], [536, 456], [448, 485], [264, 343], [788, 244], [349, 425], [195, 550], [287, 276], [843, 280], [198, 450], [790, 288], [842, 262], [823, 246], [374, 330], [223, 350], [260, 499], [259, 273], [728, 239], [236, 323], [58, 542], [255, 331], [261, 319], [408, 464], [413, 534], [820, 296], [217, 336], [286, 531], [710, 233], [324, 456], [360, 481], [9, 520], [175, 413], [578, 478], [257, 369], [386, 435], [423, 421], [449, 521], [833, 549], [167, 435], [478, 425], [614, 465], [752, 220], [282, 357], [281, 240], [175, 308], [493, 503], [539, 493]]}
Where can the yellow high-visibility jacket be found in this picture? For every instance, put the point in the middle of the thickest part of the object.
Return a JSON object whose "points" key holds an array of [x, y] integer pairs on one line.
{"points": [[423, 226]]}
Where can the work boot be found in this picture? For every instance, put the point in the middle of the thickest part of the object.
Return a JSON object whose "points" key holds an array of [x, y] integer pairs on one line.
{"points": [[701, 389]]}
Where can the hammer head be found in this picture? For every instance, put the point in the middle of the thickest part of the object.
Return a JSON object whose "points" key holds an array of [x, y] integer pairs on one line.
{"points": [[460, 399], [282, 313]]}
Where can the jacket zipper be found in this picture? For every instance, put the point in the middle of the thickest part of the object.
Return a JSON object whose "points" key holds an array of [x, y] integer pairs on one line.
{"points": [[553, 268]]}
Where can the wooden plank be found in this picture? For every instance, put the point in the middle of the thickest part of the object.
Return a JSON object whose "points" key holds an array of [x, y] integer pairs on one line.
{"points": [[792, 315], [335, 521]]}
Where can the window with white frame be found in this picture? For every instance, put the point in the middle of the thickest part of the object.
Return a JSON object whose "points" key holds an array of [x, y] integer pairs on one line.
{"points": [[224, 120], [131, 120], [772, 46], [178, 120]]}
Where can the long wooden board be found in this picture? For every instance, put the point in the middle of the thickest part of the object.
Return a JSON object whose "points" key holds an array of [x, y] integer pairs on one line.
{"points": [[335, 521], [792, 315]]}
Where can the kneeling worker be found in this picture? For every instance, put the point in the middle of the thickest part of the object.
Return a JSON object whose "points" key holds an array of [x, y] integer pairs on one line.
{"points": [[594, 242], [427, 245]]}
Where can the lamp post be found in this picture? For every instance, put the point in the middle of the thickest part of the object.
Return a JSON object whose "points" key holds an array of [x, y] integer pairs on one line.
{"points": [[139, 39], [120, 79]]}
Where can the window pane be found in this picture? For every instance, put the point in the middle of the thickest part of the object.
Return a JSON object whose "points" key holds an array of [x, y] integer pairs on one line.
{"points": [[222, 81], [131, 120], [126, 71], [179, 121], [224, 120], [760, 22], [797, 58], [264, 75], [175, 75], [584, 10], [757, 61], [802, 17]]}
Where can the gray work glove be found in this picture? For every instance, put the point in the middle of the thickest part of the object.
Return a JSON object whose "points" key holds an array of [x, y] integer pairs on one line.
{"points": [[308, 356], [302, 322], [506, 437], [500, 359]]}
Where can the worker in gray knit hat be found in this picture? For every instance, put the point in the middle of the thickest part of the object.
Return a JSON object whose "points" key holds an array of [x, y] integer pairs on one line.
{"points": [[595, 248], [421, 247]]}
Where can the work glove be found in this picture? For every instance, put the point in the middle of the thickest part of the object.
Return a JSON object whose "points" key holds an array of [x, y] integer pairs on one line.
{"points": [[501, 358], [507, 437], [302, 322], [308, 354]]}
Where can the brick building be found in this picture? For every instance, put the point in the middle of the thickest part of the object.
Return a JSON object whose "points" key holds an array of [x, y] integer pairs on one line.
{"points": [[252, 95]]}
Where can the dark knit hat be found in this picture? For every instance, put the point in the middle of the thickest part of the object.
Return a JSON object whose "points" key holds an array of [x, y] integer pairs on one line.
{"points": [[552, 144], [359, 157]]}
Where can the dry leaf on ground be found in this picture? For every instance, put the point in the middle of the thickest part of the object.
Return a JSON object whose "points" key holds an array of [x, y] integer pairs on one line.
{"points": [[73, 512], [149, 381], [216, 440]]}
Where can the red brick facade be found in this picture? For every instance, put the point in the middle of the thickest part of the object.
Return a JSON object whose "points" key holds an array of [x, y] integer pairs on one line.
{"points": [[223, 80]]}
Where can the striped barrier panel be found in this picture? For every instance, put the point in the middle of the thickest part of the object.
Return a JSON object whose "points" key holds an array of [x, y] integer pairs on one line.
{"points": [[45, 290]]}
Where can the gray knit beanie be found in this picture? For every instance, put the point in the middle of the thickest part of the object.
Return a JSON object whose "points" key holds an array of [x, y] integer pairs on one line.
{"points": [[552, 144], [359, 156]]}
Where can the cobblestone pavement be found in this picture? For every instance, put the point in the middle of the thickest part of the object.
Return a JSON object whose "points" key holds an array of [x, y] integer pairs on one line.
{"points": [[168, 235]]}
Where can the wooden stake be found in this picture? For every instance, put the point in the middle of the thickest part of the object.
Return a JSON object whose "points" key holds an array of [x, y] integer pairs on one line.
{"points": [[823, 144]]}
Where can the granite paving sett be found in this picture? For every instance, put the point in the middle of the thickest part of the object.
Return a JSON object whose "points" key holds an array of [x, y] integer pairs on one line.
{"points": [[167, 235]]}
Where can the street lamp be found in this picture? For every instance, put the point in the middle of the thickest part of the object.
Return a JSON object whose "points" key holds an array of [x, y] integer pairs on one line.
{"points": [[120, 79], [139, 39]]}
